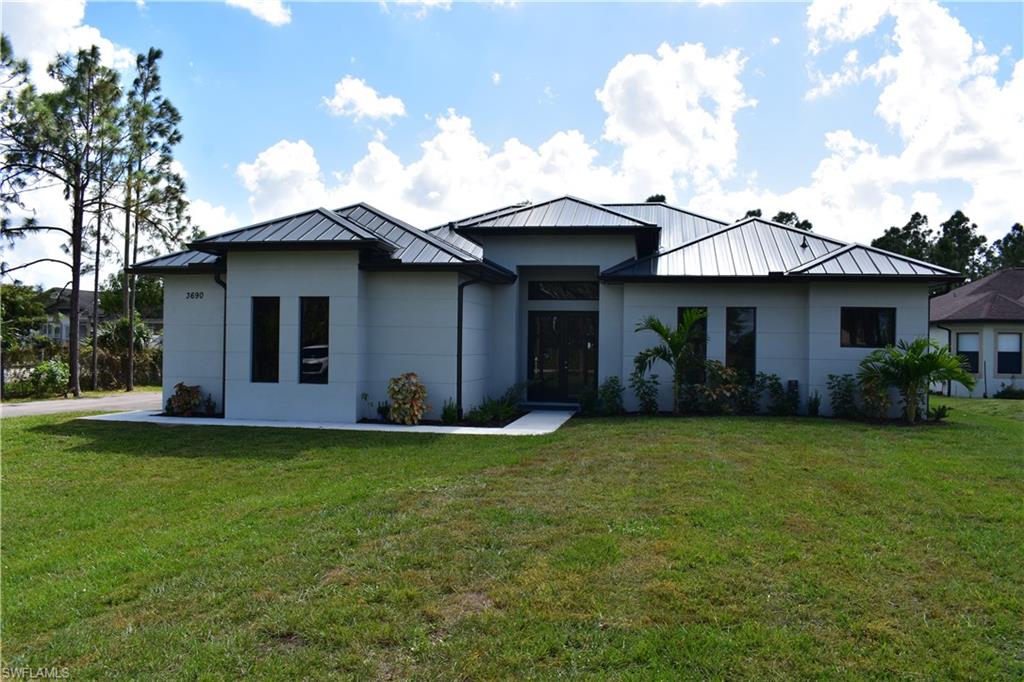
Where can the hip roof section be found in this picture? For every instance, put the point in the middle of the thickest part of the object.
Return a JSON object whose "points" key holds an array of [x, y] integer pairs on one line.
{"points": [[998, 297]]}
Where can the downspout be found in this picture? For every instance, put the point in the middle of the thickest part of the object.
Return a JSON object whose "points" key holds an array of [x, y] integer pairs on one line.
{"points": [[458, 344], [949, 345], [219, 279]]}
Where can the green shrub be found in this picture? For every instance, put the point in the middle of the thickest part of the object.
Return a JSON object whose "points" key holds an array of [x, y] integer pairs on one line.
{"points": [[814, 404], [645, 388], [449, 412], [50, 377], [782, 400], [842, 395], [609, 396], [408, 399], [724, 391], [587, 399], [498, 410], [938, 413], [874, 399], [1009, 393], [185, 400]]}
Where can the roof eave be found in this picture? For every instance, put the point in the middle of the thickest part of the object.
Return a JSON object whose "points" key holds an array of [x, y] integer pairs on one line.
{"points": [[327, 245]]}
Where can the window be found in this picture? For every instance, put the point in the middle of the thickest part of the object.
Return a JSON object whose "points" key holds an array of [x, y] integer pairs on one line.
{"points": [[266, 333], [314, 322], [699, 345], [1008, 354], [562, 291], [867, 327], [967, 347], [740, 340]]}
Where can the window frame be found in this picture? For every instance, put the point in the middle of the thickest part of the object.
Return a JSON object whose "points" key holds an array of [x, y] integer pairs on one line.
{"points": [[753, 334], [276, 354], [975, 367], [1019, 353], [845, 310], [533, 287], [303, 378], [699, 374]]}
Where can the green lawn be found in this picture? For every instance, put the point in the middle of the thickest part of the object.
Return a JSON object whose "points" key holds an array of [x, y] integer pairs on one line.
{"points": [[637, 548]]}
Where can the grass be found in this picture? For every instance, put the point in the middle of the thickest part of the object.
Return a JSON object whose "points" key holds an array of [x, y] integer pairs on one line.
{"points": [[85, 394], [626, 548]]}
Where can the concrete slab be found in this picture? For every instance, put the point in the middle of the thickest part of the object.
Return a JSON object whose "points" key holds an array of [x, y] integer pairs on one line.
{"points": [[534, 423]]}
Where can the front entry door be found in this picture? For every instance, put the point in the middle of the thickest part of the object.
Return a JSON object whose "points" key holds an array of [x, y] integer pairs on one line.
{"points": [[562, 356]]}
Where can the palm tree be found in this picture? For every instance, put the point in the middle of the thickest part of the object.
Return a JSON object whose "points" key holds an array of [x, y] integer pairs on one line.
{"points": [[677, 348], [911, 367]]}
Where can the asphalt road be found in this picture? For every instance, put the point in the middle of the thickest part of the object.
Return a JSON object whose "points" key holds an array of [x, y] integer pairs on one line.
{"points": [[140, 400]]}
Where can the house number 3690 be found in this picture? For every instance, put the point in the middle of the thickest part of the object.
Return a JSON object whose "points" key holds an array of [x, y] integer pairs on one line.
{"points": [[193, 295]]}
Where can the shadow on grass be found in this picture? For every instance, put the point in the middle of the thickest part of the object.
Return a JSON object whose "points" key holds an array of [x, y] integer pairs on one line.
{"points": [[227, 442]]}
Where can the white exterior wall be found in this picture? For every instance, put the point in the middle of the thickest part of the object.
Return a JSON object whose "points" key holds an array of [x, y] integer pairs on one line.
{"points": [[988, 380], [193, 334], [409, 326], [287, 275], [477, 305]]}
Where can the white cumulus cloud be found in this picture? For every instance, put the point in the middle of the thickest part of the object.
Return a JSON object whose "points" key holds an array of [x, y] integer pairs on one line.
{"points": [[271, 11], [354, 98]]}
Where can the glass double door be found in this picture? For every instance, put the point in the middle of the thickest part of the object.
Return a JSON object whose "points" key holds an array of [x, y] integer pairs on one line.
{"points": [[562, 356]]}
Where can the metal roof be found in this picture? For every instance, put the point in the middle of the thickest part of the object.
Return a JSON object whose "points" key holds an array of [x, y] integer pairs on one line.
{"points": [[860, 260], [995, 297], [182, 261], [412, 244], [448, 234], [749, 248], [318, 227], [678, 225], [564, 213]]}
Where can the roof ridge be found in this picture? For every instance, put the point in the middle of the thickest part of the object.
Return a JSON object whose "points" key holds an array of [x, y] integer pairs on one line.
{"points": [[670, 206], [470, 222]]}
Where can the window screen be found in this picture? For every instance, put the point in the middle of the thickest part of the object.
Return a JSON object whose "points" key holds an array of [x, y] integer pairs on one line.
{"points": [[967, 347], [1008, 354], [867, 327], [314, 322], [266, 337]]}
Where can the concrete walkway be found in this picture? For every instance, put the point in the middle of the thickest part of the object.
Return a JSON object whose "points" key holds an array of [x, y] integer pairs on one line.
{"points": [[137, 400], [535, 423]]}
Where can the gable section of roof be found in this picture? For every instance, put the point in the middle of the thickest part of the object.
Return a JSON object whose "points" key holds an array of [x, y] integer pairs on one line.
{"points": [[749, 248], [308, 228], [565, 213], [858, 260], [412, 244], [182, 261]]}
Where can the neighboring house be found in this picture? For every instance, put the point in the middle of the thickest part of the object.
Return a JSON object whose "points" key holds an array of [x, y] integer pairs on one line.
{"points": [[302, 316], [984, 322], [58, 310]]}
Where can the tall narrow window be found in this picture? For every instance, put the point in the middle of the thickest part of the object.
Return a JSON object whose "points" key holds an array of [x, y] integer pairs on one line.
{"points": [[266, 338], [1008, 354], [867, 327], [740, 340], [314, 322], [967, 347], [698, 345]]}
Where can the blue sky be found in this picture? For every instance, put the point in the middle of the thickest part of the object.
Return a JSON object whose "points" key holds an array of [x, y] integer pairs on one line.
{"points": [[260, 139]]}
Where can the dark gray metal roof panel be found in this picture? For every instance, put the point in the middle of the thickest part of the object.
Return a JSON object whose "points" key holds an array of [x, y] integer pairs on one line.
{"points": [[315, 226], [182, 260], [678, 225], [413, 244], [564, 212], [861, 260], [449, 235]]}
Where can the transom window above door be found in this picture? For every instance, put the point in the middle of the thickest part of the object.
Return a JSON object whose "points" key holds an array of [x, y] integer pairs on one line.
{"points": [[562, 291]]}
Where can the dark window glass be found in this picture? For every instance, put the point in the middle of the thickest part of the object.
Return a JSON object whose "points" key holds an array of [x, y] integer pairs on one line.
{"points": [[867, 327], [266, 337], [563, 291], [314, 321], [699, 346], [967, 347], [740, 340], [1008, 354]]}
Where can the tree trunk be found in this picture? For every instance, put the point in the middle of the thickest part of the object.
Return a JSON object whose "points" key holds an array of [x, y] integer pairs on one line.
{"points": [[126, 283], [96, 291], [130, 386], [912, 400], [677, 386], [76, 268]]}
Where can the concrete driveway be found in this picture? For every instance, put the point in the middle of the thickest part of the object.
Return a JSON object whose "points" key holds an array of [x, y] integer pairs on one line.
{"points": [[139, 400]]}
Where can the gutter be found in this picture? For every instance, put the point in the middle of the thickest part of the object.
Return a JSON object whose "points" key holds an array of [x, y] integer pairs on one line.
{"points": [[219, 279], [458, 343]]}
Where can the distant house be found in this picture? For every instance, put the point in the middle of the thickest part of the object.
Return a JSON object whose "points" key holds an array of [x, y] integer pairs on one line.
{"points": [[307, 316], [58, 311], [984, 322]]}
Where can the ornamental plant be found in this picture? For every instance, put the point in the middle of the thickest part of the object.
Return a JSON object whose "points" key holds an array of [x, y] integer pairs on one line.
{"points": [[408, 399], [185, 400]]}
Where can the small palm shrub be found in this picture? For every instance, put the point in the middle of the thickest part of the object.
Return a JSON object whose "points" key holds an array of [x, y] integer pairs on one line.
{"points": [[645, 388], [677, 348], [911, 367], [408, 399]]}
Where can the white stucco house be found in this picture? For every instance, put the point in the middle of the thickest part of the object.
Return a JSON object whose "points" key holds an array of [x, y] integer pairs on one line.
{"points": [[300, 317], [983, 321]]}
